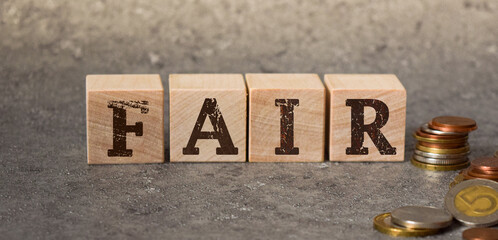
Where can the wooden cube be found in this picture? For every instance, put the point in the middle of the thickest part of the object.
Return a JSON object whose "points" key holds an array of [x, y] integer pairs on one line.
{"points": [[207, 118], [286, 118], [367, 117], [125, 119]]}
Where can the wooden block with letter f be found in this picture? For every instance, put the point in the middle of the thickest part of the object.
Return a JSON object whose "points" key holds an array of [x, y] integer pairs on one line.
{"points": [[286, 118], [367, 117], [207, 118], [125, 116]]}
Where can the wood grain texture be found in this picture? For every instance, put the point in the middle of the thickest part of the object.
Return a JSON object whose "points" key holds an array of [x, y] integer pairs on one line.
{"points": [[142, 98], [383, 87], [188, 93], [265, 116]]}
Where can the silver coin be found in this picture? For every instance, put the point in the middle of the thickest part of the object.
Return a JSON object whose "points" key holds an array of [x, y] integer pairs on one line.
{"points": [[439, 161], [421, 217], [427, 129], [474, 202], [440, 155]]}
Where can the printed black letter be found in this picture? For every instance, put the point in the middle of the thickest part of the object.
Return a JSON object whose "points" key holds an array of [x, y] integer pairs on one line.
{"points": [[358, 127]]}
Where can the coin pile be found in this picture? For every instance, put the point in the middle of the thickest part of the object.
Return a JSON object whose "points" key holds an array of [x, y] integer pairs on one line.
{"points": [[412, 221], [483, 167], [442, 143], [473, 203]]}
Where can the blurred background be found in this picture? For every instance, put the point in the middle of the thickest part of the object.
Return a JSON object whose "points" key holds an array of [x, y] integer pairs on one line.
{"points": [[444, 52], [437, 49]]}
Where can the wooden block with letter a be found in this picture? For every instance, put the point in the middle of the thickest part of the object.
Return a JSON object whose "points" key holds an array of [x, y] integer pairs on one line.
{"points": [[207, 118], [125, 116], [286, 118], [367, 117]]}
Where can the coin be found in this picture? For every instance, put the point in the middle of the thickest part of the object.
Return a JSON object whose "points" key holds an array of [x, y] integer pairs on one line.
{"points": [[458, 179], [384, 225], [423, 134], [487, 172], [480, 234], [442, 150], [439, 140], [485, 163], [474, 202], [442, 145], [421, 217], [439, 161], [481, 175], [453, 124], [435, 167], [466, 175], [443, 156], [425, 128]]}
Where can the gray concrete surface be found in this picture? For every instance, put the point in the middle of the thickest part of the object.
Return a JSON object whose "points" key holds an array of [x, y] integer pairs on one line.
{"points": [[444, 52]]}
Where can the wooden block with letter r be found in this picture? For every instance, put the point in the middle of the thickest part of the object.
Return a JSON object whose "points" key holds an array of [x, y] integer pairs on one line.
{"points": [[367, 117], [207, 118], [125, 119], [286, 118]]}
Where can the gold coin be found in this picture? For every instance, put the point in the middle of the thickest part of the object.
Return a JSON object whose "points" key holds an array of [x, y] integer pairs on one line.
{"points": [[458, 179], [442, 150], [384, 225], [434, 167], [474, 202], [432, 140]]}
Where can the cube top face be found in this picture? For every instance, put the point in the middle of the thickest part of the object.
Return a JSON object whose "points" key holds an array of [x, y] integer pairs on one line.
{"points": [[283, 81], [367, 117], [123, 82], [124, 124], [286, 118], [207, 118], [207, 81], [363, 82]]}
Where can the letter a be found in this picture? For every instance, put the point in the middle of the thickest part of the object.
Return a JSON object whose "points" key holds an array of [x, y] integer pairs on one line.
{"points": [[210, 108]]}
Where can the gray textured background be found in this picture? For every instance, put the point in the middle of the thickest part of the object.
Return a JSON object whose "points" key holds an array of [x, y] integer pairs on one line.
{"points": [[444, 52]]}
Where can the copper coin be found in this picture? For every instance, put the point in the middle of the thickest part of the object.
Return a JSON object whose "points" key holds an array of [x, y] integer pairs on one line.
{"points": [[485, 163], [480, 175], [480, 234], [421, 133], [427, 129], [487, 172], [466, 175], [453, 124], [443, 145]]}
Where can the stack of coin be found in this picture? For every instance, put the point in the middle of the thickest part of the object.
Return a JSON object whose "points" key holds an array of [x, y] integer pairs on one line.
{"points": [[412, 221], [442, 143], [484, 167], [474, 202]]}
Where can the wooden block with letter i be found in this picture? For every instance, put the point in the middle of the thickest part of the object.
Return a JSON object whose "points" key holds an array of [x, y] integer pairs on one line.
{"points": [[207, 118], [367, 117], [125, 119], [286, 118]]}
